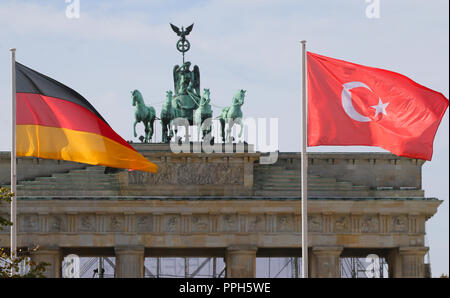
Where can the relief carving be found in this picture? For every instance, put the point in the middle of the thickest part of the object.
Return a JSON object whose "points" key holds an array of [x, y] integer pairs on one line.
{"points": [[191, 174], [171, 223], [144, 223], [229, 223], [137, 177], [256, 223], [399, 223], [342, 224], [285, 223], [314, 223], [57, 223], [86, 223], [29, 223], [370, 224], [200, 223], [116, 223]]}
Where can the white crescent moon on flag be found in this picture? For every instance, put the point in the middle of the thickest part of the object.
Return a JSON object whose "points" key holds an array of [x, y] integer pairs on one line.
{"points": [[347, 101]]}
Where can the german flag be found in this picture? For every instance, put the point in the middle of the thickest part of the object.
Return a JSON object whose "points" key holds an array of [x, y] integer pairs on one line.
{"points": [[55, 122]]}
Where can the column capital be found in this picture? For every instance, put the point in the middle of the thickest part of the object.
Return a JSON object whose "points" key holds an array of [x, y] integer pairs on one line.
{"points": [[129, 249], [327, 250], [242, 248], [413, 250]]}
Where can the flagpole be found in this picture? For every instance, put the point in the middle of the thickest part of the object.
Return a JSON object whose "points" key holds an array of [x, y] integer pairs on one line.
{"points": [[304, 170], [13, 158]]}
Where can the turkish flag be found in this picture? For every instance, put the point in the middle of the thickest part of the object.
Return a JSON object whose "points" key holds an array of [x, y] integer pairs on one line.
{"points": [[351, 104]]}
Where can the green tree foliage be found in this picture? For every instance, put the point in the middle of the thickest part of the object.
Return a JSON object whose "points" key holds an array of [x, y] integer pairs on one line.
{"points": [[22, 259]]}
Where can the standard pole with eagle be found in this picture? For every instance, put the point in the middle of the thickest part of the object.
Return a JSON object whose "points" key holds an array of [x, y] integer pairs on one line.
{"points": [[183, 45]]}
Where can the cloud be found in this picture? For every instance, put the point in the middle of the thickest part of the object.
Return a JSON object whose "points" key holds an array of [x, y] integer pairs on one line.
{"points": [[43, 20]]}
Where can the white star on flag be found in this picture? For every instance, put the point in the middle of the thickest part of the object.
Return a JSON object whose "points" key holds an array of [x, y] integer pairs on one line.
{"points": [[380, 107]]}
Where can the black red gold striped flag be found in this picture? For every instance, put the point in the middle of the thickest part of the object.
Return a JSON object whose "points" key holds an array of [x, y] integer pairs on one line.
{"points": [[56, 122]]}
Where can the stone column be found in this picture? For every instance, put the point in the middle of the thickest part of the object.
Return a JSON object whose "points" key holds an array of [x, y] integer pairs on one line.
{"points": [[241, 261], [52, 256], [129, 261], [407, 262], [325, 262]]}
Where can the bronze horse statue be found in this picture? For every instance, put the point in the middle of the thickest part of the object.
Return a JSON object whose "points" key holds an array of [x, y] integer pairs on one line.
{"points": [[203, 114], [144, 114], [168, 114], [232, 115]]}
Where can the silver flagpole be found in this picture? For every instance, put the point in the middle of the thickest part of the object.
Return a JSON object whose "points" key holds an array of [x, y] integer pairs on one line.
{"points": [[13, 159], [304, 168]]}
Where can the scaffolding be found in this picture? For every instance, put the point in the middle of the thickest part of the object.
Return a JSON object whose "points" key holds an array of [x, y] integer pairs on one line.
{"points": [[214, 267]]}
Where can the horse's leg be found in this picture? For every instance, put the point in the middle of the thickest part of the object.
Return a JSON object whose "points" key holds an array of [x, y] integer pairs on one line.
{"points": [[174, 129], [146, 131], [242, 127], [209, 128], [171, 128], [134, 127], [206, 126], [204, 129], [222, 128], [200, 129], [151, 129], [230, 126], [164, 132], [187, 136]]}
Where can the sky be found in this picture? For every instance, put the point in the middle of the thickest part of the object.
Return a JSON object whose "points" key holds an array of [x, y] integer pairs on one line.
{"points": [[116, 46]]}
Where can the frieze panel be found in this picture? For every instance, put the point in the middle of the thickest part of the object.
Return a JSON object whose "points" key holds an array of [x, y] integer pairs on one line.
{"points": [[370, 224], [256, 223], [342, 224], [29, 223], [200, 223], [191, 174], [115, 223], [315, 223], [57, 223], [86, 223], [229, 223], [285, 223], [144, 223], [399, 223], [171, 224]]}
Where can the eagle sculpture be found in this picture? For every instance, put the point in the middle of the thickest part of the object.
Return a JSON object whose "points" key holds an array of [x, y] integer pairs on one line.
{"points": [[182, 33]]}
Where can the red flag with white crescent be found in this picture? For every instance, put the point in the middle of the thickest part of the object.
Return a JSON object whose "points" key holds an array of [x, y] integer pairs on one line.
{"points": [[351, 104]]}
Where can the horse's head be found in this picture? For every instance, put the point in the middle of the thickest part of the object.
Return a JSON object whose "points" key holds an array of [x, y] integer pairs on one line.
{"points": [[205, 97], [169, 95], [136, 95], [238, 98], [168, 101]]}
